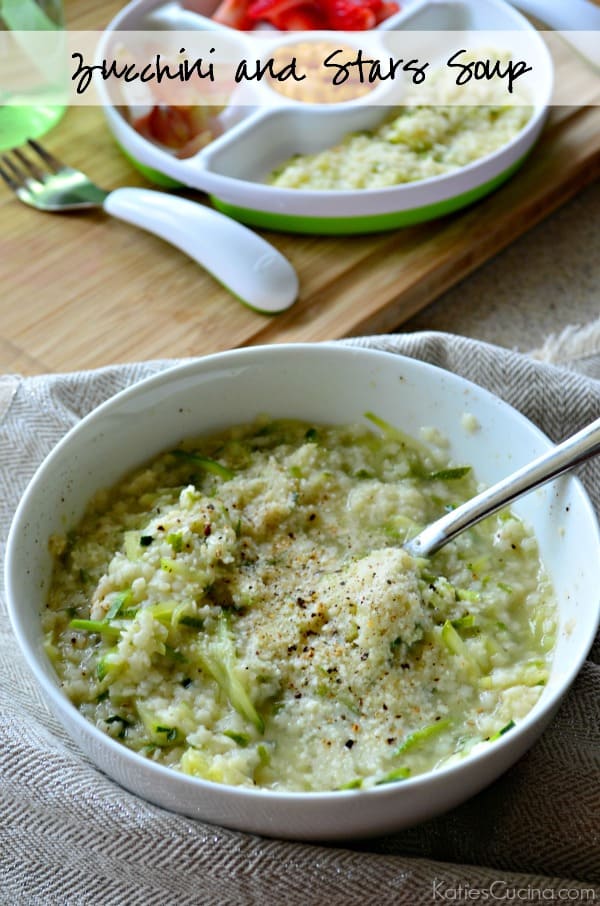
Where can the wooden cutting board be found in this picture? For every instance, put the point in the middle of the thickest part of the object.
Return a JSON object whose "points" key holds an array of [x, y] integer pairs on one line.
{"points": [[80, 291]]}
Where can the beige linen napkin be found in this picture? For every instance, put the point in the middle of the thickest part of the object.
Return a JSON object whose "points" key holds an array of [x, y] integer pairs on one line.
{"points": [[69, 835]]}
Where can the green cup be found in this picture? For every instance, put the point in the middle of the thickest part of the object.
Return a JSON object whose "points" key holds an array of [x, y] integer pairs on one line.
{"points": [[32, 69]]}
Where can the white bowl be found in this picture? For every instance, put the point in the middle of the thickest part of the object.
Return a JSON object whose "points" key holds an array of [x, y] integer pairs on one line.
{"points": [[319, 383]]}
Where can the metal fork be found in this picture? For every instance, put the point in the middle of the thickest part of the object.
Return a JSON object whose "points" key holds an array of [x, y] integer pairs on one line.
{"points": [[245, 263]]}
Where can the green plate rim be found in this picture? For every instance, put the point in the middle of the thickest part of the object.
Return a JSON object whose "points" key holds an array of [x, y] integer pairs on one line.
{"points": [[338, 226], [369, 223]]}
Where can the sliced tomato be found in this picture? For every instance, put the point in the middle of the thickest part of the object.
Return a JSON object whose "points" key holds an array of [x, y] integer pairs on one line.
{"points": [[233, 13], [303, 15], [386, 9], [173, 127]]}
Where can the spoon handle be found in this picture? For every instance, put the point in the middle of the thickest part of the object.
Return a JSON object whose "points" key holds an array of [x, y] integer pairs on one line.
{"points": [[245, 263], [562, 458]]}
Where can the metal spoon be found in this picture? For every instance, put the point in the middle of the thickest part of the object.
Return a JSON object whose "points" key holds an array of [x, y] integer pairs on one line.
{"points": [[562, 458]]}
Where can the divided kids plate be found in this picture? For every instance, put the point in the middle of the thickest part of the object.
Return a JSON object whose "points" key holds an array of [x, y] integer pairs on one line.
{"points": [[233, 168]]}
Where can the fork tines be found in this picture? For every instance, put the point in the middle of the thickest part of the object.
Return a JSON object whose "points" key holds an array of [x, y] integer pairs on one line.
{"points": [[48, 158], [7, 178], [15, 176]]}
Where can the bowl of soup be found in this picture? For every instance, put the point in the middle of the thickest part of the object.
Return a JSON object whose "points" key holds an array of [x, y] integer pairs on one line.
{"points": [[207, 577]]}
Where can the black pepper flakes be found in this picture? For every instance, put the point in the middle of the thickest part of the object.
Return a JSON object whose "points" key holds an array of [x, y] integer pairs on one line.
{"points": [[349, 743]]}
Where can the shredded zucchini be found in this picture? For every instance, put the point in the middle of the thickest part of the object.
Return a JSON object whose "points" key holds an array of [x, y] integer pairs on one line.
{"points": [[405, 440], [399, 774], [217, 658], [242, 739], [422, 735], [96, 626], [353, 784], [107, 665], [119, 601], [158, 733], [504, 730], [458, 647], [208, 464], [449, 474]]}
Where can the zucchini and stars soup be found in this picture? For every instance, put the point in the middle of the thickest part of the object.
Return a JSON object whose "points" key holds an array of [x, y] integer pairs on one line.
{"points": [[241, 610]]}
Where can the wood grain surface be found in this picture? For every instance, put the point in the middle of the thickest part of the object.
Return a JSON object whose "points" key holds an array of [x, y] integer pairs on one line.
{"points": [[83, 290]]}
